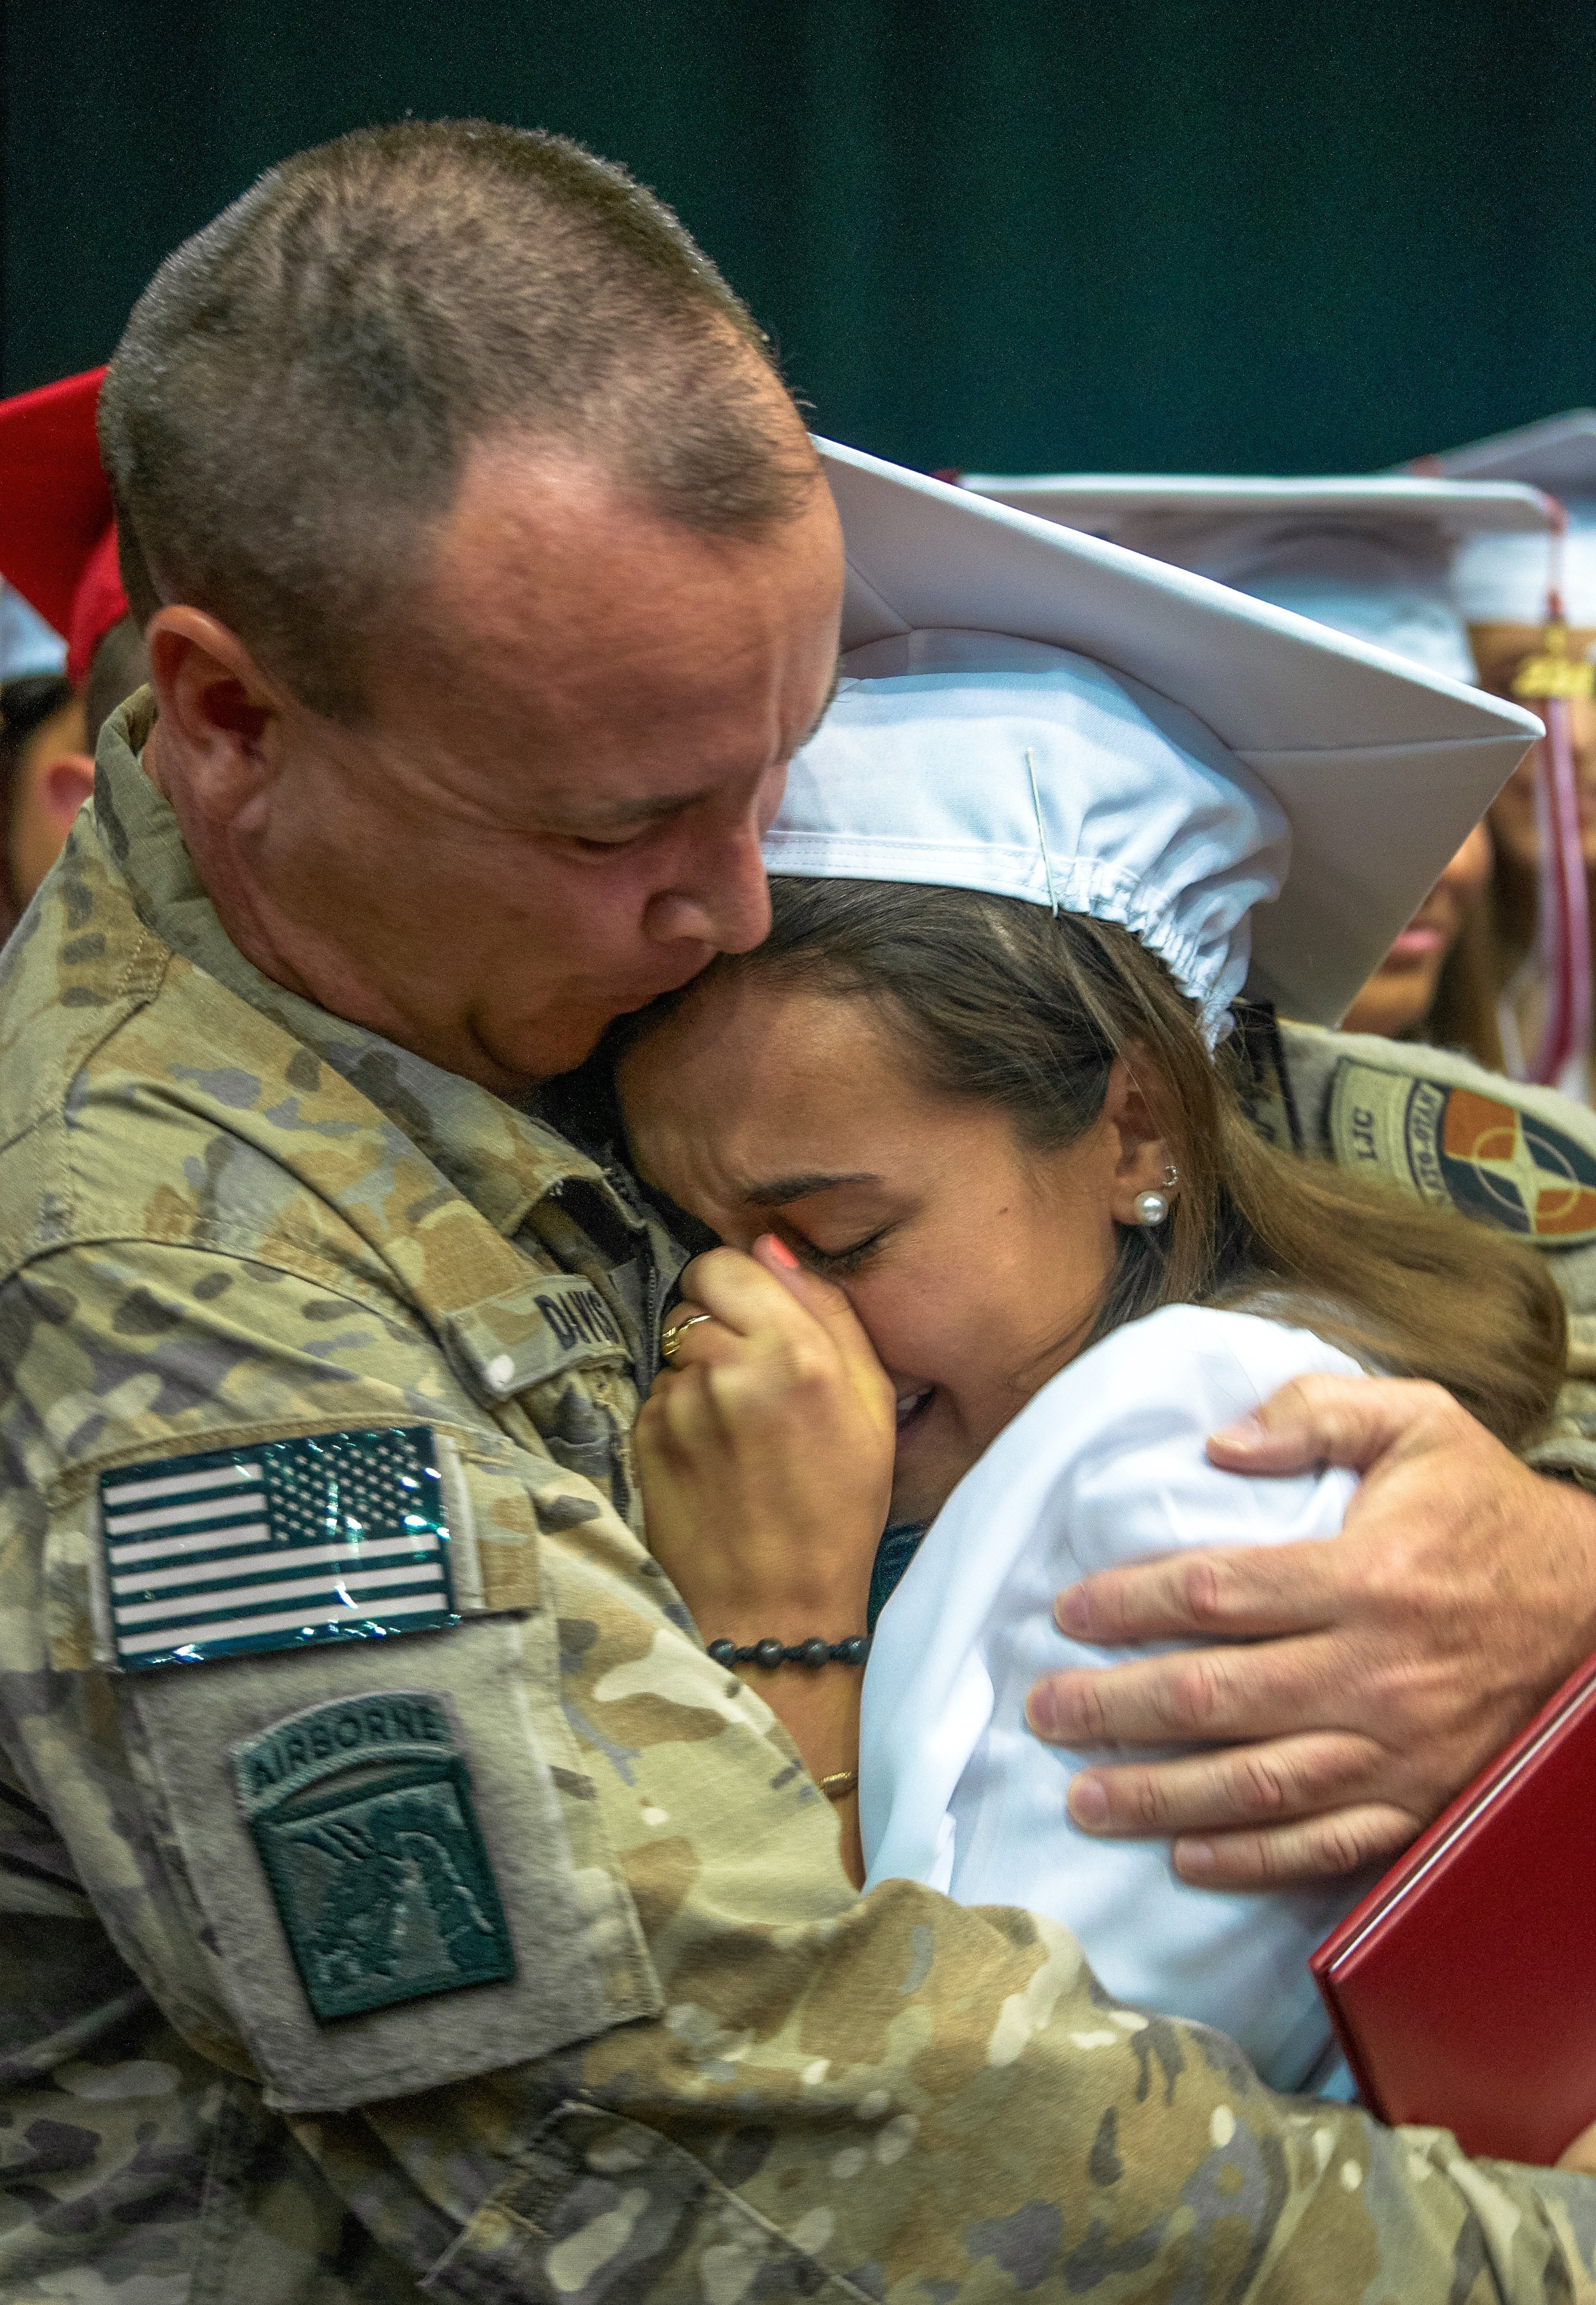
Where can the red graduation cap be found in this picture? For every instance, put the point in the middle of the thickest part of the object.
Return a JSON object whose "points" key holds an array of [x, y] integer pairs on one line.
{"points": [[57, 541]]}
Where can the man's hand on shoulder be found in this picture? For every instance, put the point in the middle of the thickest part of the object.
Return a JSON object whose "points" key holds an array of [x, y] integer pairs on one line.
{"points": [[1361, 1682]]}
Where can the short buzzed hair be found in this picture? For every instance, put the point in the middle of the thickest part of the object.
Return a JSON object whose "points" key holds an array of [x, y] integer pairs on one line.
{"points": [[296, 391]]}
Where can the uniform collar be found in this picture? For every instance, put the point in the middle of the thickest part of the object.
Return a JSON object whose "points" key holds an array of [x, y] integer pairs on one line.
{"points": [[503, 1162]]}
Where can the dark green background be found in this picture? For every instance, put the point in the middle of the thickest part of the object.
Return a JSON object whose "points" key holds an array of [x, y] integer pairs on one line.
{"points": [[1296, 236]]}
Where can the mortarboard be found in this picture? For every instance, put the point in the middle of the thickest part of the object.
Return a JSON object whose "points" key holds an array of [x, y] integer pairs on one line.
{"points": [[57, 541], [1041, 713], [1372, 558], [1506, 579]]}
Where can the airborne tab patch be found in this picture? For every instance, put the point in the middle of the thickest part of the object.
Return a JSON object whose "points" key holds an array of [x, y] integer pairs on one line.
{"points": [[339, 1538], [362, 1813], [1458, 1149]]}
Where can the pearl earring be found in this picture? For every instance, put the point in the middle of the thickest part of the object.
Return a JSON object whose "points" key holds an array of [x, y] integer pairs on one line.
{"points": [[1152, 1208]]}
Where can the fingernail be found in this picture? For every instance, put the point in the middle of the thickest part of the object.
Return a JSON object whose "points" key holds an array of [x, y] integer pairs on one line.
{"points": [[1042, 1712], [777, 1250], [1196, 1856], [1072, 1610], [1088, 1801], [1246, 1432]]}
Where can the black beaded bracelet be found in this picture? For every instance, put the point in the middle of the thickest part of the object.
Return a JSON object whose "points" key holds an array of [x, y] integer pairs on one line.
{"points": [[813, 1654]]}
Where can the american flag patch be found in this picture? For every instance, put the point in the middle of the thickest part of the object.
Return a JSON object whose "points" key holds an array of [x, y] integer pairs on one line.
{"points": [[339, 1538]]}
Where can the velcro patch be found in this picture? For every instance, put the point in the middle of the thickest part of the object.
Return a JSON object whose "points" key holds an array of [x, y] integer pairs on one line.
{"points": [[1458, 1149], [362, 1813], [506, 1344], [281, 1545]]}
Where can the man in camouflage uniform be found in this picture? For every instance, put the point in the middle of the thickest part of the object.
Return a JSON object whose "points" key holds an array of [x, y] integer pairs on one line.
{"points": [[460, 1928]]}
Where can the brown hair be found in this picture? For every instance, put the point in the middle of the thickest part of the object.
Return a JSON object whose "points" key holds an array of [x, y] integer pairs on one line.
{"points": [[295, 392], [998, 1001]]}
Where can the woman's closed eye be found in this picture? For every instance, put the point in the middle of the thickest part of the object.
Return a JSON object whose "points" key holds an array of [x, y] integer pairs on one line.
{"points": [[840, 1260]]}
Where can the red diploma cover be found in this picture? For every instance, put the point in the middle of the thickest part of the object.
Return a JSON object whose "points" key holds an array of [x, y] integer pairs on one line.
{"points": [[1463, 1989]]}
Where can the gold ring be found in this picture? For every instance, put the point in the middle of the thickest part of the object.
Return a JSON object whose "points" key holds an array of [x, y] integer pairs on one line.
{"points": [[670, 1337]]}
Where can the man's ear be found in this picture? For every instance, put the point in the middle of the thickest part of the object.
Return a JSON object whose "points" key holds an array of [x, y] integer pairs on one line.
{"points": [[219, 713], [1143, 1162], [63, 787]]}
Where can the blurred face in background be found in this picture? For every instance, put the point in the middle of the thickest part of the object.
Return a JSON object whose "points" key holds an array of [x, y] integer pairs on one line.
{"points": [[51, 776], [1401, 991], [1499, 649]]}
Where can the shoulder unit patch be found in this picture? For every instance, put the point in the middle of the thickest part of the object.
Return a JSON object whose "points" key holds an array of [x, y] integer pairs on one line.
{"points": [[1458, 1149], [362, 1813], [339, 1538]]}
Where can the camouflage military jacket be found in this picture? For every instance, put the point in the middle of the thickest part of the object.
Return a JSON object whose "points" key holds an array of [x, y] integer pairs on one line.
{"points": [[393, 1894]]}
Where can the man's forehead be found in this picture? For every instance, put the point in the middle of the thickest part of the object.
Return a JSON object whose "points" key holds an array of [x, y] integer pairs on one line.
{"points": [[548, 516], [574, 643], [559, 584], [660, 773], [611, 772]]}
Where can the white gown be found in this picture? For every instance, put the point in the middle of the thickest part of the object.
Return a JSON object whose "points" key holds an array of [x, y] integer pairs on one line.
{"points": [[1106, 1466]]}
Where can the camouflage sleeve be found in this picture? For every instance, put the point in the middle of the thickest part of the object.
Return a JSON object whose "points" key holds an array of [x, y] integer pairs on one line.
{"points": [[1566, 1448], [115, 2133], [718, 2073]]}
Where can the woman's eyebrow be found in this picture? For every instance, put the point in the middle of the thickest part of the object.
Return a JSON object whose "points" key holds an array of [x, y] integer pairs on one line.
{"points": [[775, 1192]]}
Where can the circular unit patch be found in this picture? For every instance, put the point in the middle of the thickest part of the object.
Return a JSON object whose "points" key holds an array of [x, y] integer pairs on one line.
{"points": [[1516, 1171], [1457, 1148]]}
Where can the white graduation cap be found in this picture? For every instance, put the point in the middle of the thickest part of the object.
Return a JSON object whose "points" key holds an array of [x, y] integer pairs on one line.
{"points": [[1504, 580], [1044, 715], [1370, 557]]}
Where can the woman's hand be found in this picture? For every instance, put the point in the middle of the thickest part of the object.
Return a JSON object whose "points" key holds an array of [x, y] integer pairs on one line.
{"points": [[765, 1451]]}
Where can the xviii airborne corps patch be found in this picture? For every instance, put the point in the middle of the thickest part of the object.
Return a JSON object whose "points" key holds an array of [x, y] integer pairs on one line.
{"points": [[339, 1538], [363, 1815], [1457, 1148]]}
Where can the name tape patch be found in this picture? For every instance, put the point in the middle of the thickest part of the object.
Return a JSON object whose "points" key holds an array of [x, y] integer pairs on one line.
{"points": [[578, 1315], [1457, 1148], [363, 1815], [531, 1334], [339, 1538]]}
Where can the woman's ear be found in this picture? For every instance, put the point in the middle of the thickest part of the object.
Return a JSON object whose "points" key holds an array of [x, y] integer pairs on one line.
{"points": [[1143, 1162]]}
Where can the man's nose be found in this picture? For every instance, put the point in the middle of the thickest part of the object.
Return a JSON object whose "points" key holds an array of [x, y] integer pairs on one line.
{"points": [[721, 897]]}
